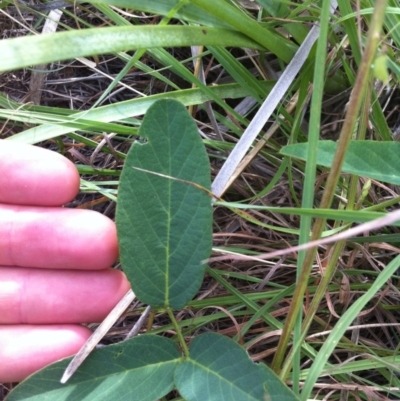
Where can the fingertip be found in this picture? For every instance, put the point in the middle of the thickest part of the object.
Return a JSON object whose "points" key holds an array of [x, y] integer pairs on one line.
{"points": [[56, 238], [24, 349], [41, 296], [35, 176], [92, 240]]}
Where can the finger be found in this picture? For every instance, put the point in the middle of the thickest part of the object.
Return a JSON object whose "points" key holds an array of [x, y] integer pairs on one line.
{"points": [[56, 238], [34, 176], [25, 349], [37, 296]]}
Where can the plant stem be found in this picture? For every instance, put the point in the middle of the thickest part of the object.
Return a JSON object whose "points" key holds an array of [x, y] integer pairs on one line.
{"points": [[178, 332], [308, 195], [344, 141], [335, 252]]}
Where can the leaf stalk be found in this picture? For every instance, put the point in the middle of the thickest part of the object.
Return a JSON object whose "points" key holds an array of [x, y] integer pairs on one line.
{"points": [[182, 341]]}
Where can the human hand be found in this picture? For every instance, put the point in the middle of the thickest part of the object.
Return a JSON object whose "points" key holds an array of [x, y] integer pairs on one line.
{"points": [[54, 262]]}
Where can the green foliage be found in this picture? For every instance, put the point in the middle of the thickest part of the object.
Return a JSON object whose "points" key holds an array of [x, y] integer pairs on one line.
{"points": [[143, 366], [165, 224], [43, 49], [217, 12], [273, 34], [380, 68], [377, 160], [99, 119], [219, 369]]}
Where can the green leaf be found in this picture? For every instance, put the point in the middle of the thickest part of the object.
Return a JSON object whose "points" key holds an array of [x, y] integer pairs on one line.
{"points": [[188, 12], [141, 368], [33, 50], [230, 14], [271, 6], [165, 225], [380, 68], [394, 67], [219, 369], [372, 159], [216, 13], [115, 112]]}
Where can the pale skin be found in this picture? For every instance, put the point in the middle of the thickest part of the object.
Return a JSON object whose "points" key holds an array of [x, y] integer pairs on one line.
{"points": [[54, 262]]}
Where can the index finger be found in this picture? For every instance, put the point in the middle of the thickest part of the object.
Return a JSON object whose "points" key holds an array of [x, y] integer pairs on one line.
{"points": [[30, 175]]}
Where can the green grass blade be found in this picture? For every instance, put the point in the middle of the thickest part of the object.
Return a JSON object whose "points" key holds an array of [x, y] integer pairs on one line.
{"points": [[345, 321], [310, 173], [188, 12], [126, 110], [41, 49], [271, 41]]}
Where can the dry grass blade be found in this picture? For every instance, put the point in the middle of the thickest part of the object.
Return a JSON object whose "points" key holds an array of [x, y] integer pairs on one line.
{"points": [[221, 181], [387, 220], [38, 75], [260, 144], [97, 335]]}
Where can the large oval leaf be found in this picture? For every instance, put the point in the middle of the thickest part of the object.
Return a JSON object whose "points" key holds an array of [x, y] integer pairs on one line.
{"points": [[220, 370], [140, 369], [165, 225], [372, 159]]}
